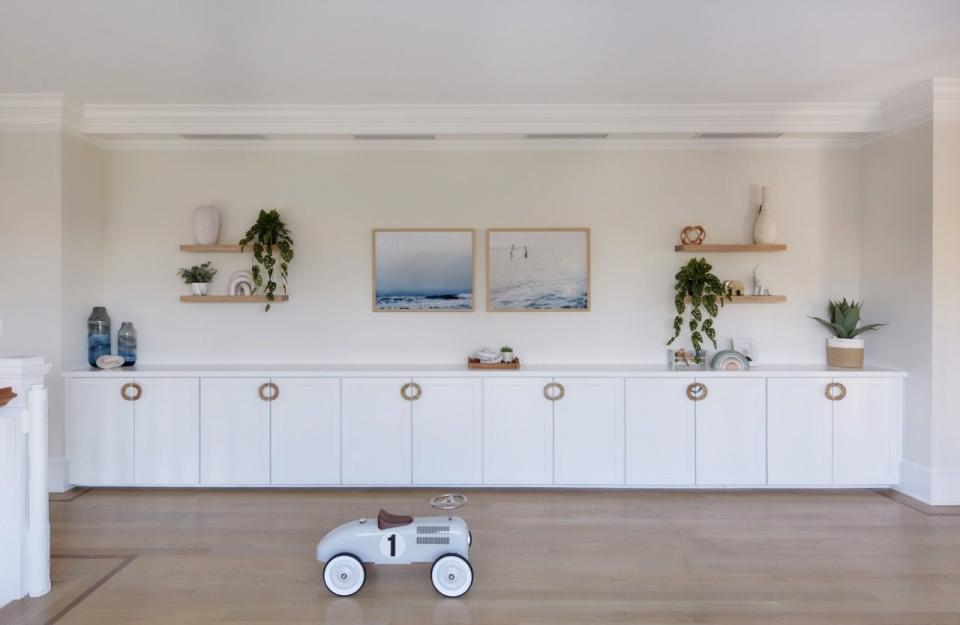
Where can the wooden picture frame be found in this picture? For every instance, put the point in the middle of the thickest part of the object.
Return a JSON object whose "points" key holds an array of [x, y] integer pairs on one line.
{"points": [[378, 307], [492, 232]]}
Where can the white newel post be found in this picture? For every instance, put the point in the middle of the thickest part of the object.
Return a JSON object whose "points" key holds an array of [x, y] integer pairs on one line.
{"points": [[24, 508]]}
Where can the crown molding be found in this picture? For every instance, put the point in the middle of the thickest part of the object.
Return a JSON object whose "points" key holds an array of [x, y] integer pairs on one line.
{"points": [[508, 144], [495, 126], [40, 112], [107, 119], [946, 99]]}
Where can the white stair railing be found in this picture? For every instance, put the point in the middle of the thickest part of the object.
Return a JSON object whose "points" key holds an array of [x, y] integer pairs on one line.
{"points": [[24, 507]]}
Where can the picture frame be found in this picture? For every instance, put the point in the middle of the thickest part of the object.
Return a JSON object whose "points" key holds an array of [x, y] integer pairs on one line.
{"points": [[557, 279], [421, 270]]}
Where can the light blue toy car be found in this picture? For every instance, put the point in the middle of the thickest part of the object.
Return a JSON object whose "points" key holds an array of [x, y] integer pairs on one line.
{"points": [[400, 539]]}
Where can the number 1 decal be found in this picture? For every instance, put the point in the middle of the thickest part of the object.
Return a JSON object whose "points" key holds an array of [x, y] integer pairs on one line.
{"points": [[392, 545]]}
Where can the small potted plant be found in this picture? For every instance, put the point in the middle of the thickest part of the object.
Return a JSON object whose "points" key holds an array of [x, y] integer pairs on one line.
{"points": [[844, 349], [696, 283], [506, 354], [198, 277], [267, 233]]}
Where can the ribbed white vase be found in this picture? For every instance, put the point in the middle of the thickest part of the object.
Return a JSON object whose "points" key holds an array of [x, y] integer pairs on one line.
{"points": [[206, 224], [764, 228]]}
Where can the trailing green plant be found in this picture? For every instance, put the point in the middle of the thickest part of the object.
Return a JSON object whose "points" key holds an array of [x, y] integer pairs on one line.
{"points": [[506, 348], [267, 233], [844, 318], [706, 292], [198, 273]]}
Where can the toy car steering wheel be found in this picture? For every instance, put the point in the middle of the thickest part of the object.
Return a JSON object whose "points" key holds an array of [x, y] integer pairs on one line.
{"points": [[448, 501]]}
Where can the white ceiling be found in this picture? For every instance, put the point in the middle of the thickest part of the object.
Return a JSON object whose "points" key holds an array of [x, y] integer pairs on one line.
{"points": [[476, 51]]}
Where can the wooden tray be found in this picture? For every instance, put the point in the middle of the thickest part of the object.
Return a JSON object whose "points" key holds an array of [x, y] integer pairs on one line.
{"points": [[6, 394], [473, 363]]}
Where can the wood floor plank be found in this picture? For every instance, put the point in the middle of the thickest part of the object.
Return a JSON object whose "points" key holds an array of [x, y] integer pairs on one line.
{"points": [[209, 557]]}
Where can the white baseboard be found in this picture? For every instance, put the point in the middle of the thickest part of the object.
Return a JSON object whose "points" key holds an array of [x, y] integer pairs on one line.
{"points": [[57, 476], [937, 487]]}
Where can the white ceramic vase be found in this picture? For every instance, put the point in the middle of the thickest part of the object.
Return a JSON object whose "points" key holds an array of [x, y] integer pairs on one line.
{"points": [[764, 228], [199, 288], [508, 356], [206, 224]]}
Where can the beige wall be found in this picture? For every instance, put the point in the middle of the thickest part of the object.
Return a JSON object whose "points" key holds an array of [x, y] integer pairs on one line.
{"points": [[30, 270], [946, 309], [82, 213], [896, 261], [636, 202]]}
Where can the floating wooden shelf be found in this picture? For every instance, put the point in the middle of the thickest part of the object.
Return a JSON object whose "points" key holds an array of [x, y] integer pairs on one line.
{"points": [[231, 299], [219, 247], [755, 299], [734, 247]]}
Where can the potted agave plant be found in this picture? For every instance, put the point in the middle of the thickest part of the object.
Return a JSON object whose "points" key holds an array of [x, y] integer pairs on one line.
{"points": [[844, 349]]}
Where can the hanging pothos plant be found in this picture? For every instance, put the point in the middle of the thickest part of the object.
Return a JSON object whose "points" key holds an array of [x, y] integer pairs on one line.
{"points": [[704, 289], [268, 234]]}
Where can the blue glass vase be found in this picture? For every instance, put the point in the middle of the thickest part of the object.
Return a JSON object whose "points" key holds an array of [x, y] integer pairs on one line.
{"points": [[98, 335], [127, 343]]}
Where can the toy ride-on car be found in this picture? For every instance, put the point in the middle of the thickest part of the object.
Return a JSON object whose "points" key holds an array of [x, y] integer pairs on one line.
{"points": [[400, 539]]}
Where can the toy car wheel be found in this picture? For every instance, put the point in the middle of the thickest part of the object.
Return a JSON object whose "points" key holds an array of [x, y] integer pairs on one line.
{"points": [[344, 575], [452, 575]]}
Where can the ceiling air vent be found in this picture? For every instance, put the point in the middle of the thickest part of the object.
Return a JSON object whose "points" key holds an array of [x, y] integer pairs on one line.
{"points": [[384, 137], [224, 137], [568, 135], [738, 135]]}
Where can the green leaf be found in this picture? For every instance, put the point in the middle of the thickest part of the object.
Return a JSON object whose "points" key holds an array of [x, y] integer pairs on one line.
{"points": [[870, 327]]}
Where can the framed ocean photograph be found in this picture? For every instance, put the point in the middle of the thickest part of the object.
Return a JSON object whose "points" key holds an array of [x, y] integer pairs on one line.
{"points": [[538, 269], [427, 270]]}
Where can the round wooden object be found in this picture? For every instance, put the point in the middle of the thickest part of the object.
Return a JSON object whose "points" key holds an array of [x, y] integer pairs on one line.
{"points": [[693, 235]]}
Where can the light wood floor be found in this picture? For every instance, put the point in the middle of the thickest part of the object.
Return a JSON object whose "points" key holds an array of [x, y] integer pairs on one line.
{"points": [[245, 557]]}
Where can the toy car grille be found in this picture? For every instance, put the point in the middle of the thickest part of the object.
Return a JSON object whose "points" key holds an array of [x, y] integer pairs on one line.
{"points": [[433, 529], [433, 540]]}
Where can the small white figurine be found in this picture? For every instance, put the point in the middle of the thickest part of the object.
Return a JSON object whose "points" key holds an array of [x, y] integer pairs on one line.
{"points": [[761, 285], [400, 539]]}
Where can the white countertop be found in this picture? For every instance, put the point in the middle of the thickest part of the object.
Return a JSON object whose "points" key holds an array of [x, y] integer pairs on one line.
{"points": [[427, 370]]}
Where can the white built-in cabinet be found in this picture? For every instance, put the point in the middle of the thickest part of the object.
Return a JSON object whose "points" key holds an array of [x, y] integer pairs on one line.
{"points": [[412, 431], [588, 432], [517, 431], [234, 432], [660, 432], [166, 449], [730, 431], [447, 431], [670, 430], [304, 431], [838, 431], [134, 431], [100, 433]]}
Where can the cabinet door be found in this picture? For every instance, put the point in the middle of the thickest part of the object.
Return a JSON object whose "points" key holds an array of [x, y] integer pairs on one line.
{"points": [[588, 431], [448, 431], [799, 432], [731, 436], [100, 433], [376, 431], [517, 431], [234, 432], [660, 432], [305, 431], [861, 433], [167, 438]]}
